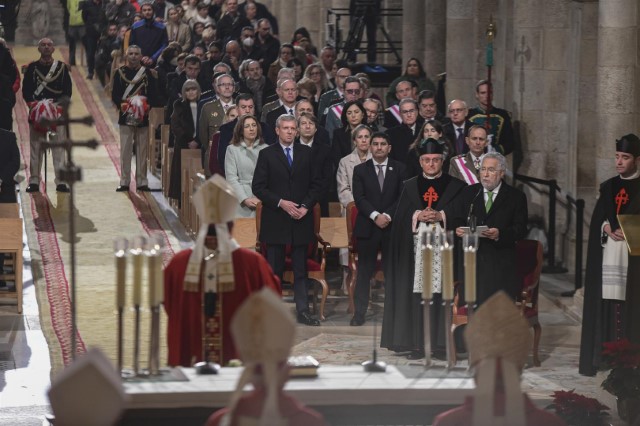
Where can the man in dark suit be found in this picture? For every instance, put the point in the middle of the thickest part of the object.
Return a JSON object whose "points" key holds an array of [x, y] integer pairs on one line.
{"points": [[377, 184], [503, 209], [457, 130], [321, 135], [403, 135], [286, 181], [307, 135], [288, 93]]}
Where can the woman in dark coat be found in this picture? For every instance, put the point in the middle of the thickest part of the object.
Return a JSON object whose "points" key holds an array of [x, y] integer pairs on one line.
{"points": [[183, 128], [353, 114]]}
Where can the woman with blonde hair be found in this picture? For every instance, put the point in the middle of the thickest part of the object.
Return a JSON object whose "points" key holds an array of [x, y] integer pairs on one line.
{"points": [[240, 162], [315, 73], [183, 127]]}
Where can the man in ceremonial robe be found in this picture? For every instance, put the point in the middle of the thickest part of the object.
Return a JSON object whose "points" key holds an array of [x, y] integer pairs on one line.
{"points": [[609, 288], [503, 209], [46, 81], [499, 342], [223, 292], [419, 208]]}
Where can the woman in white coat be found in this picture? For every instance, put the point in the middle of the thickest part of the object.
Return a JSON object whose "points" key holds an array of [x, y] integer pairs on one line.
{"points": [[361, 139], [240, 162]]}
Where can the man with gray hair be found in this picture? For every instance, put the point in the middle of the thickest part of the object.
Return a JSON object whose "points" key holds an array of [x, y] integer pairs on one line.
{"points": [[503, 210], [273, 102], [286, 181], [402, 136]]}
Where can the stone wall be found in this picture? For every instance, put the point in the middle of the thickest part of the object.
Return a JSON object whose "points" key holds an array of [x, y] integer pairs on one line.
{"points": [[38, 19]]}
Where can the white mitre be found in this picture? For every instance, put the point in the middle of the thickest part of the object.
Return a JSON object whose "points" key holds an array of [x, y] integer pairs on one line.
{"points": [[88, 392], [263, 330], [215, 203], [498, 330]]}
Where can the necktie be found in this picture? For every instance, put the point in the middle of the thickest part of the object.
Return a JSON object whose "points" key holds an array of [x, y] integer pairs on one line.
{"points": [[476, 163], [489, 203], [289, 159], [290, 111], [380, 176], [225, 107], [460, 140]]}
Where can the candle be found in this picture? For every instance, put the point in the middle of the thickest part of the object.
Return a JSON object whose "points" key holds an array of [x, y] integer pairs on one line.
{"points": [[137, 277], [155, 279], [427, 273], [447, 273], [120, 250], [470, 275], [121, 272]]}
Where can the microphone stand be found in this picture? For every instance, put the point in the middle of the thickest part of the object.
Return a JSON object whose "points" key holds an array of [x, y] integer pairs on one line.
{"points": [[373, 365]]}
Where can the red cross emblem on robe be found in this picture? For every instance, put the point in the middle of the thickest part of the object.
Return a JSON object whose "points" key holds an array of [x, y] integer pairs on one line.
{"points": [[621, 199], [430, 196]]}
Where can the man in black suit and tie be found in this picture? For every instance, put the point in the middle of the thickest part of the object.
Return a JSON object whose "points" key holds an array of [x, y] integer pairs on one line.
{"points": [[457, 130], [288, 93], [503, 209], [377, 184], [286, 181], [403, 135]]}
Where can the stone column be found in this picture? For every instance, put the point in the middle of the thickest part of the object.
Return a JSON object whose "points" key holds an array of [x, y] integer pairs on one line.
{"points": [[413, 20], [435, 34], [460, 49], [617, 56]]}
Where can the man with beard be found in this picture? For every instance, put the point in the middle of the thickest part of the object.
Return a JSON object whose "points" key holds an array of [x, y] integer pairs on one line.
{"points": [[150, 35], [267, 44], [420, 209], [257, 85], [503, 210], [609, 288]]}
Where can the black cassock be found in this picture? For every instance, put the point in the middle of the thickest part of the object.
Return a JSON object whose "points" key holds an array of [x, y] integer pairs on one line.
{"points": [[606, 320], [402, 326]]}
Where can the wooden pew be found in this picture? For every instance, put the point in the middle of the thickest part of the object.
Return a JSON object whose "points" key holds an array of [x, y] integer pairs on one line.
{"points": [[166, 159], [191, 165], [156, 118], [11, 244]]}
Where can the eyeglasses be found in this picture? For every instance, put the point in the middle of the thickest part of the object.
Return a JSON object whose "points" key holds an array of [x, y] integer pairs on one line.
{"points": [[353, 91], [408, 111], [490, 170], [457, 110]]}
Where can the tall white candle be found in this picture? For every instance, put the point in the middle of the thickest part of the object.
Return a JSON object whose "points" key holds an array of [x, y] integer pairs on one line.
{"points": [[447, 273], [137, 277], [427, 273], [121, 273], [470, 275]]}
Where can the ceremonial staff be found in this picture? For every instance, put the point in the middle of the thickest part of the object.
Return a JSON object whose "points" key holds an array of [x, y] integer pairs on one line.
{"points": [[70, 173], [491, 33]]}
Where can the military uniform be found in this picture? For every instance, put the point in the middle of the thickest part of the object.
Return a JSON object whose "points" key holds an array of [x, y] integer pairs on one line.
{"points": [[465, 168], [129, 82], [45, 81]]}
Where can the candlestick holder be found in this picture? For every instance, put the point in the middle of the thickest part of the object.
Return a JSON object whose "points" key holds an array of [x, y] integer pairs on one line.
{"points": [[470, 248], [427, 244], [446, 251], [137, 246], [153, 252], [120, 246]]}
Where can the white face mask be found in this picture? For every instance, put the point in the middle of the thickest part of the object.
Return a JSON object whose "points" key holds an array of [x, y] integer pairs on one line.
{"points": [[248, 42]]}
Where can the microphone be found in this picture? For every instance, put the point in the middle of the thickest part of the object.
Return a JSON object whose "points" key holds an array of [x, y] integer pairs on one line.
{"points": [[471, 218]]}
